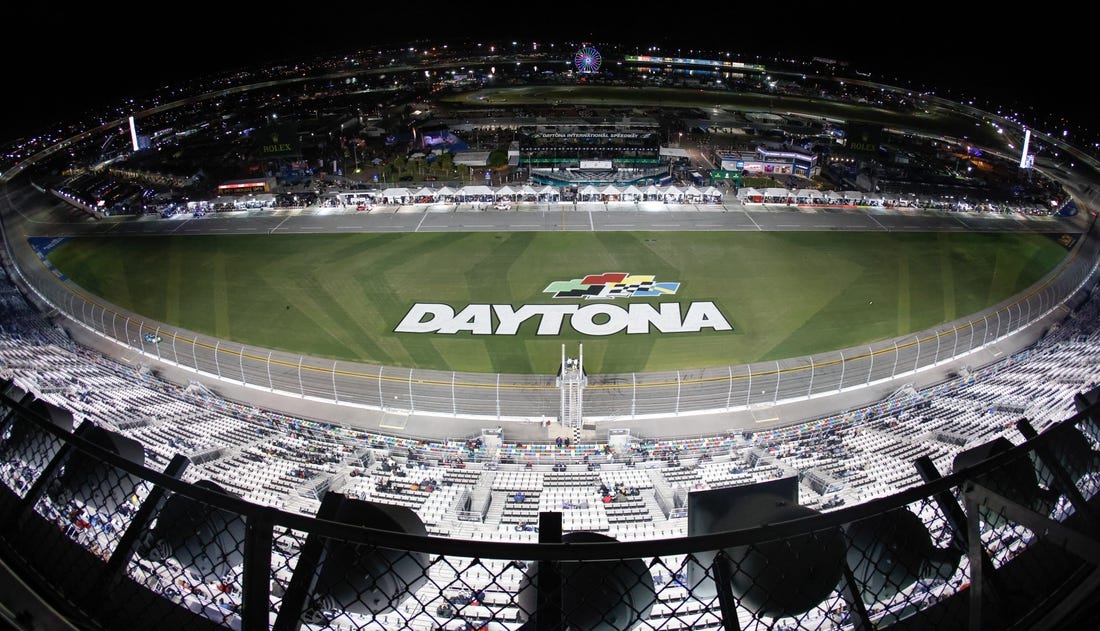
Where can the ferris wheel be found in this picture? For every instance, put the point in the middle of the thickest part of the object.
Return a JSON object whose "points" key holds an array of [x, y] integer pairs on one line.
{"points": [[587, 59]]}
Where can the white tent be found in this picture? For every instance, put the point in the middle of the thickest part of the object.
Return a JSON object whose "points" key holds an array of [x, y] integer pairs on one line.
{"points": [[632, 192], [505, 191], [653, 192], [548, 193], [748, 193], [444, 193], [672, 190], [424, 191], [830, 195], [475, 190], [611, 189], [588, 192], [776, 192], [691, 191], [711, 191], [807, 193], [527, 190], [395, 193]]}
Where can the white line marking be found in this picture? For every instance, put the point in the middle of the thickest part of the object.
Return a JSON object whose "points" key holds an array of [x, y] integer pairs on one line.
{"points": [[752, 220], [280, 225], [422, 218]]}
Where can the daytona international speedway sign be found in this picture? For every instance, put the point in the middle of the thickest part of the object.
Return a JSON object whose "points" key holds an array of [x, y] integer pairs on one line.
{"points": [[593, 319]]}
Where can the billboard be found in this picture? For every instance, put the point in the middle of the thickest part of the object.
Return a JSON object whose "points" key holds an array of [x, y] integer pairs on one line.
{"points": [[864, 138], [278, 141]]}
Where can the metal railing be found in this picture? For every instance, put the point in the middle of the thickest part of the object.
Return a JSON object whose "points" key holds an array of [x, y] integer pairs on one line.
{"points": [[1005, 539]]}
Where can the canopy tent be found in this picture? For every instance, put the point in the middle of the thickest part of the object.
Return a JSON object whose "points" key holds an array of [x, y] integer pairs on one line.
{"points": [[750, 194], [475, 190], [505, 191], [631, 193], [588, 192], [776, 192], [396, 192], [611, 189], [424, 191]]}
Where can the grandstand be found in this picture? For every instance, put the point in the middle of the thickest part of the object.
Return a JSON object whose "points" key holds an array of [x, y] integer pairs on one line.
{"points": [[200, 510]]}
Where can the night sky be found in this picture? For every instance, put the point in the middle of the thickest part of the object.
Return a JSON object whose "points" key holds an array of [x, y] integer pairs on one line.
{"points": [[63, 60]]}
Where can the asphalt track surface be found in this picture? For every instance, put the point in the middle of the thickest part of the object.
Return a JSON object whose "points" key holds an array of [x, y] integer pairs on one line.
{"points": [[439, 404], [584, 216]]}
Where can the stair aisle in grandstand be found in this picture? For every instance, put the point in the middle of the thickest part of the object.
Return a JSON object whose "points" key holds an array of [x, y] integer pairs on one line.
{"points": [[650, 500]]}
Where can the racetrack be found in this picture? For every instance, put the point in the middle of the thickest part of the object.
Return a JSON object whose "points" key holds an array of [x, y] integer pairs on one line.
{"points": [[397, 400], [345, 296]]}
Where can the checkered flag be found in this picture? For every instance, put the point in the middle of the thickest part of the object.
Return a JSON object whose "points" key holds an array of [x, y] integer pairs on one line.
{"points": [[625, 291]]}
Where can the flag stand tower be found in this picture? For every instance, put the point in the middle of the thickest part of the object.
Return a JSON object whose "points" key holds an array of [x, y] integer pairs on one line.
{"points": [[572, 381]]}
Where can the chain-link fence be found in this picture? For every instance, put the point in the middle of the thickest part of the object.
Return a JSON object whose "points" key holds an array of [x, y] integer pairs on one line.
{"points": [[1009, 535]]}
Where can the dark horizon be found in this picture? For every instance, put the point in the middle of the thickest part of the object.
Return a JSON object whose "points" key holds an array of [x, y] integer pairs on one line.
{"points": [[68, 61]]}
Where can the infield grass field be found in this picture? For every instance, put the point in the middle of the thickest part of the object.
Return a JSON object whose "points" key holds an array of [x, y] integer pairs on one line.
{"points": [[786, 294]]}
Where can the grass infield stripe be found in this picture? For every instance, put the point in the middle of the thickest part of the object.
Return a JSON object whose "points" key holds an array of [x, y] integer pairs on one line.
{"points": [[505, 386]]}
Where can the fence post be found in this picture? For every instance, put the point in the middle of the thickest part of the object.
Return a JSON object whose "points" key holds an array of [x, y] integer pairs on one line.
{"points": [[256, 573], [549, 598]]}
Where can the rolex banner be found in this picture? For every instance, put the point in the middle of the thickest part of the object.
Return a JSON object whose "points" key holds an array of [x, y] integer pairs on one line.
{"points": [[278, 141]]}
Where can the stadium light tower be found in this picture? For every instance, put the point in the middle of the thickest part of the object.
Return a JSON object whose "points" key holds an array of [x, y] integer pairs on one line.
{"points": [[133, 133], [1023, 153]]}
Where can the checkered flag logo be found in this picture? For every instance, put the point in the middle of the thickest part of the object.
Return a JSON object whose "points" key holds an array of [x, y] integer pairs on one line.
{"points": [[611, 285]]}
